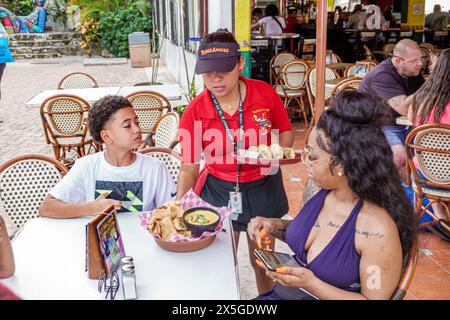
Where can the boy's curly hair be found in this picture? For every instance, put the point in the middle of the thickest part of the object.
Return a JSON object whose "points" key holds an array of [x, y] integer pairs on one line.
{"points": [[102, 111]]}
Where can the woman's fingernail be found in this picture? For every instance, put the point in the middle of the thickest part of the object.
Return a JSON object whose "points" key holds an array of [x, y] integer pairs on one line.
{"points": [[281, 270]]}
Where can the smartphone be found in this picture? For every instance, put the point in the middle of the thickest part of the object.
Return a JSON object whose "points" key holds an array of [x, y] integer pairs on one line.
{"points": [[273, 260]]}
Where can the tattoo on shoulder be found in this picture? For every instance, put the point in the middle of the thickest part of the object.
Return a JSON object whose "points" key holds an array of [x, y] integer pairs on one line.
{"points": [[366, 234], [316, 224]]}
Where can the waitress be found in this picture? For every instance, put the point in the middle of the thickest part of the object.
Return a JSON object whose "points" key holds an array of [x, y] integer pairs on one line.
{"points": [[211, 125]]}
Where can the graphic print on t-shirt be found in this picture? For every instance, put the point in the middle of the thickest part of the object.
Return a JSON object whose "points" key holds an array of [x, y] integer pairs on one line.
{"points": [[130, 192], [260, 116]]}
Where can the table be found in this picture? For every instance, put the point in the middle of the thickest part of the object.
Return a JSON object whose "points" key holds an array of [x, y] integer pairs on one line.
{"points": [[91, 95], [273, 39], [50, 264]]}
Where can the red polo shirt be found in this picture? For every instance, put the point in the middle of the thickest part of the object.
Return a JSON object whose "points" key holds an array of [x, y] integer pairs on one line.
{"points": [[201, 130]]}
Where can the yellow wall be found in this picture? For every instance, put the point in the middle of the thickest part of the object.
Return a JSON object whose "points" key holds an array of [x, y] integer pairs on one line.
{"points": [[416, 18], [242, 28]]}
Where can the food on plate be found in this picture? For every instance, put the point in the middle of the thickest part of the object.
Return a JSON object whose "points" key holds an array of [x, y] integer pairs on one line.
{"points": [[253, 149], [264, 151], [201, 217], [277, 151], [289, 153], [274, 151], [168, 219]]}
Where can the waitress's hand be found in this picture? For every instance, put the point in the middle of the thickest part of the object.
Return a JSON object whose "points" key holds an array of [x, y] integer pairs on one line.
{"points": [[297, 277], [259, 229]]}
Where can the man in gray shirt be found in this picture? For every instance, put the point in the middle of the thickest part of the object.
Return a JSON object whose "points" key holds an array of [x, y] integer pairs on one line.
{"points": [[437, 20], [394, 80]]}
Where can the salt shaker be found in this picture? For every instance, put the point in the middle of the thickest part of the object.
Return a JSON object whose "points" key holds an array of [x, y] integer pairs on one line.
{"points": [[126, 260], [128, 281]]}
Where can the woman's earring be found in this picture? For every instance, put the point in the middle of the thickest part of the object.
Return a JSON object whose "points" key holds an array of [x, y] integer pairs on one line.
{"points": [[340, 173]]}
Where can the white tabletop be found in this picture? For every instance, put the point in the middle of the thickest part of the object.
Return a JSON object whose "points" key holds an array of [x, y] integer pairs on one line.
{"points": [[170, 91], [278, 36], [50, 264], [91, 95]]}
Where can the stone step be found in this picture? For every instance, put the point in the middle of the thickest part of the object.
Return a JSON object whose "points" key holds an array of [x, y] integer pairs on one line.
{"points": [[45, 36], [40, 43], [28, 56], [46, 49], [44, 45]]}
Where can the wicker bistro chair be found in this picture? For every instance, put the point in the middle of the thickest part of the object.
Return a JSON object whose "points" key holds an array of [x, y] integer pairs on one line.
{"points": [[350, 71], [149, 107], [171, 159], [346, 84], [429, 46], [429, 144], [64, 120], [291, 85], [276, 62], [165, 132], [77, 80], [311, 85], [409, 268], [24, 183]]}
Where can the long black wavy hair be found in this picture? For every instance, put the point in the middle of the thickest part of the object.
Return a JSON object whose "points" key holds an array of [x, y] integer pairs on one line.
{"points": [[352, 134]]}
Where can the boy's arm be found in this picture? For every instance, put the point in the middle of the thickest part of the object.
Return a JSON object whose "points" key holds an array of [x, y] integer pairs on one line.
{"points": [[7, 266], [68, 198], [54, 208], [166, 189]]}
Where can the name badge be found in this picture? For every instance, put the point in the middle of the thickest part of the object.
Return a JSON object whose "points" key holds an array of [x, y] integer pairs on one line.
{"points": [[235, 204]]}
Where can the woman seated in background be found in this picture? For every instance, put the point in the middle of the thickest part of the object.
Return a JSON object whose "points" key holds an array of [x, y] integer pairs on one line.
{"points": [[431, 104], [272, 23], [257, 14], [352, 235]]}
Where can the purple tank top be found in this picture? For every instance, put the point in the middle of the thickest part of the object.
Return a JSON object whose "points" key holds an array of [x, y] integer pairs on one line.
{"points": [[338, 263]]}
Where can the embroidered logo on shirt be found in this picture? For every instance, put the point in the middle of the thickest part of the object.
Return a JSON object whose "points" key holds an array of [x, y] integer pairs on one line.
{"points": [[260, 116]]}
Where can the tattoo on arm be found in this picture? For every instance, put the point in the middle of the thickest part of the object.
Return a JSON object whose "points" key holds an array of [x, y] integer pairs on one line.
{"points": [[279, 233], [316, 224]]}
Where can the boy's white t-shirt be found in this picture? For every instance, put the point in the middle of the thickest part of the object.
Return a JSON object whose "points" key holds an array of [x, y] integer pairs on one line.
{"points": [[143, 185], [271, 26]]}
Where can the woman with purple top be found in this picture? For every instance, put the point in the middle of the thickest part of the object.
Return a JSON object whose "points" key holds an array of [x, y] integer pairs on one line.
{"points": [[350, 237]]}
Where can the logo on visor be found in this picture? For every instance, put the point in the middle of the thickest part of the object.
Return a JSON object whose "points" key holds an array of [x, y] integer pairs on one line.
{"points": [[214, 50], [261, 118]]}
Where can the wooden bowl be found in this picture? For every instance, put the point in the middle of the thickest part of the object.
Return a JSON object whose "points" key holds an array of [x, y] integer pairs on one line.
{"points": [[185, 246]]}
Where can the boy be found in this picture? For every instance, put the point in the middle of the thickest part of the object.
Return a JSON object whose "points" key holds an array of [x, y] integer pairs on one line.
{"points": [[130, 181]]}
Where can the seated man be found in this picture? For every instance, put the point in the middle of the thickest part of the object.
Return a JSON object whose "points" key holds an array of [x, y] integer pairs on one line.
{"points": [[394, 80], [118, 176]]}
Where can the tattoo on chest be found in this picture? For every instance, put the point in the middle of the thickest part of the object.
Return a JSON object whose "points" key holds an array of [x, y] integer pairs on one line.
{"points": [[363, 233]]}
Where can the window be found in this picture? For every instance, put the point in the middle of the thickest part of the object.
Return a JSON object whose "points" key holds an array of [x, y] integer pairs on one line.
{"points": [[191, 24], [174, 18]]}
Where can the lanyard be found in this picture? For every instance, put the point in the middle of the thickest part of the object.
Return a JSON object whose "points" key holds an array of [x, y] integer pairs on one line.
{"points": [[228, 130]]}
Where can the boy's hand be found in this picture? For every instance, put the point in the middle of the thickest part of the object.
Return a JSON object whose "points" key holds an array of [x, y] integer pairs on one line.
{"points": [[101, 203]]}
